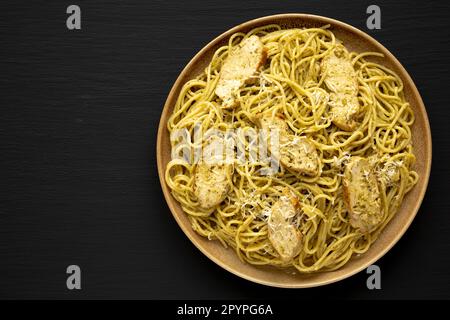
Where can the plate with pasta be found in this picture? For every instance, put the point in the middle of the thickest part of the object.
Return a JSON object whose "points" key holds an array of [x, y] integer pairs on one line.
{"points": [[294, 150]]}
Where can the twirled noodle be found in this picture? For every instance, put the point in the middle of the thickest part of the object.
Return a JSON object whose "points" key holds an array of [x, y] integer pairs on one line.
{"points": [[290, 83]]}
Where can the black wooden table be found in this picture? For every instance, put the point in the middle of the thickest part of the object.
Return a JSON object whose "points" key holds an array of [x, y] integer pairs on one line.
{"points": [[79, 115]]}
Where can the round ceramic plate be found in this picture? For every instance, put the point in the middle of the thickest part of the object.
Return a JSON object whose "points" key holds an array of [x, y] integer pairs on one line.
{"points": [[354, 40]]}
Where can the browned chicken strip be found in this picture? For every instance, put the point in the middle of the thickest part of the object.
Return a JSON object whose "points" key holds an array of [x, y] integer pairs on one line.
{"points": [[341, 79], [362, 195], [297, 154], [285, 237], [211, 184], [238, 68]]}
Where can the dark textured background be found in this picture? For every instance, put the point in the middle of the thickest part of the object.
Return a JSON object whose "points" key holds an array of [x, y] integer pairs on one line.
{"points": [[79, 115]]}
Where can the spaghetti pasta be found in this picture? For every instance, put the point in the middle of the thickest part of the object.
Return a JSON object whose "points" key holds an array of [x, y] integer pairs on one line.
{"points": [[291, 83]]}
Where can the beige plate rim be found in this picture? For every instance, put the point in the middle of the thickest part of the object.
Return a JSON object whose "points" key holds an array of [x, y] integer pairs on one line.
{"points": [[162, 129]]}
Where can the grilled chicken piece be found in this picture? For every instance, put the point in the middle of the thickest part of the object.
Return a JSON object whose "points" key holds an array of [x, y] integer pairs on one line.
{"points": [[344, 110], [300, 155], [211, 184], [362, 195], [239, 67], [283, 234], [340, 78], [268, 122], [296, 154]]}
